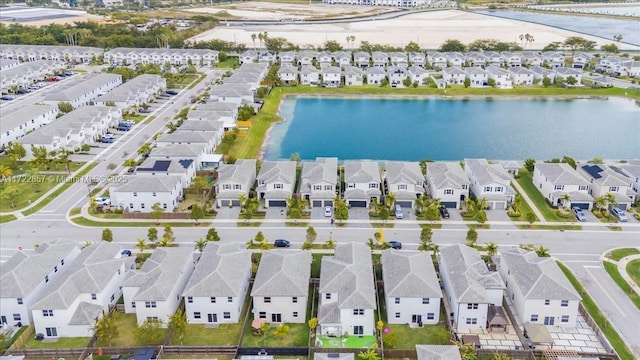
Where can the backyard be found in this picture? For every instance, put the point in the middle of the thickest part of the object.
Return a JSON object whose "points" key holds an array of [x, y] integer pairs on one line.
{"points": [[126, 324], [59, 343], [525, 180], [200, 334], [298, 335], [351, 342], [405, 337]]}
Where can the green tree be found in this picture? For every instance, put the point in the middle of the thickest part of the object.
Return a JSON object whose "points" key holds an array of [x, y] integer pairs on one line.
{"points": [[491, 82], [5, 172], [156, 212], [610, 48], [341, 211], [530, 164], [574, 43], [467, 82], [412, 47], [168, 235], [368, 354], [200, 244], [330, 243], [546, 81], [9, 193], [571, 80], [426, 235], [152, 234], [281, 330], [178, 324], [332, 46], [472, 237], [106, 329], [212, 235], [313, 323], [65, 107], [149, 333], [452, 45], [260, 238], [531, 218], [311, 234], [492, 248], [196, 213], [542, 251], [145, 149], [107, 235], [16, 152], [141, 245], [554, 46]]}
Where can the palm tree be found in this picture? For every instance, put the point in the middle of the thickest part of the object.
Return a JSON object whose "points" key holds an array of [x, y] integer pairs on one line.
{"points": [[492, 248], [130, 162], [200, 244], [542, 251], [435, 248], [618, 39], [482, 203], [601, 202], [390, 199], [260, 37], [517, 201], [353, 40], [141, 244], [253, 38], [611, 203], [566, 200], [5, 172]]}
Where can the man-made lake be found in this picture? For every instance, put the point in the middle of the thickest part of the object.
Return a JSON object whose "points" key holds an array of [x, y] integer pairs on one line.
{"points": [[597, 26], [444, 129]]}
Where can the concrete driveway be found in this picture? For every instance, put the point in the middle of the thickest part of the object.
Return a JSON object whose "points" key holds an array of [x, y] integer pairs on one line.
{"points": [[276, 213], [226, 212]]}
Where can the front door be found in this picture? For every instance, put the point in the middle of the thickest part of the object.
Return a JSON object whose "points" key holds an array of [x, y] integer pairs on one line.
{"points": [[416, 319], [3, 320], [276, 318], [548, 320], [213, 318]]}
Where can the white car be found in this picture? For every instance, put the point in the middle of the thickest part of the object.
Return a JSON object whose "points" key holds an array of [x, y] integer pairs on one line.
{"points": [[328, 211], [103, 201]]}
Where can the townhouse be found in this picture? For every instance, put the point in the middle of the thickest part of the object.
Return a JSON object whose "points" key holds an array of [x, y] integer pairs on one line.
{"points": [[565, 73], [454, 59], [249, 56], [531, 58], [267, 57], [521, 76], [234, 181], [154, 291], [361, 59], [478, 76], [236, 93], [501, 77], [82, 292], [417, 59], [306, 57], [438, 352], [331, 76], [362, 181], [396, 75], [347, 292], [27, 275], [447, 182], [418, 75], [581, 61], [288, 74], [138, 91], [309, 75], [375, 75], [396, 3], [281, 287], [183, 168], [196, 152], [319, 181], [399, 59], [405, 181], [472, 291], [475, 59], [454, 75], [209, 138], [553, 59], [18, 120], [324, 58], [25, 74], [512, 60], [490, 181], [380, 59], [83, 91], [609, 180], [539, 73], [216, 291], [353, 76], [140, 193], [70, 54], [494, 58], [176, 57], [437, 60], [633, 172], [411, 288], [342, 58], [287, 57], [276, 182], [562, 185], [538, 289]]}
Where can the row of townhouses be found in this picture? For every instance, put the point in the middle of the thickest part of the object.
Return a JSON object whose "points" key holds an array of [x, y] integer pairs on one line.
{"points": [[67, 288], [20, 75]]}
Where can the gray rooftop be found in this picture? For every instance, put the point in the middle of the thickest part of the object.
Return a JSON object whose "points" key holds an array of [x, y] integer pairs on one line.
{"points": [[361, 171], [242, 172], [188, 137], [80, 87], [17, 114], [561, 174], [438, 352], [446, 175], [142, 184], [278, 171], [409, 274], [403, 172], [604, 175], [487, 173], [283, 273], [179, 150], [220, 271], [202, 125], [159, 274], [321, 170], [132, 87]]}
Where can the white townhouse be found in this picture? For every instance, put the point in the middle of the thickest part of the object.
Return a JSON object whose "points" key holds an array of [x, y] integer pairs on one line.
{"points": [[353, 76], [288, 74], [28, 73], [512, 59], [438, 352], [437, 60], [553, 59], [209, 138], [324, 58], [27, 275], [417, 75], [197, 152], [362, 182], [267, 57], [531, 58], [399, 59], [309, 75], [494, 58], [18, 120], [234, 181], [581, 60], [72, 54], [281, 288], [375, 75], [319, 181], [478, 76], [626, 68], [417, 59], [361, 59], [539, 291], [565, 73], [154, 291], [447, 182], [501, 77], [287, 57], [397, 75], [140, 193], [276, 182], [347, 294], [380, 59], [215, 126], [411, 287], [305, 57], [609, 180], [176, 57], [331, 76], [405, 181], [249, 56], [470, 288], [135, 92], [342, 58], [453, 75], [608, 64], [521, 76], [184, 168], [490, 181], [236, 93], [562, 185], [539, 73], [82, 91], [633, 172], [6, 64], [455, 59], [216, 291], [475, 59], [82, 293]]}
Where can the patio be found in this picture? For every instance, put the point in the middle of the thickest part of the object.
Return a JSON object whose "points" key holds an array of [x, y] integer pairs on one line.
{"points": [[352, 342]]}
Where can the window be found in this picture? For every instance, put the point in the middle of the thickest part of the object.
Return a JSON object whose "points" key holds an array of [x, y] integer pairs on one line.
{"points": [[226, 187], [262, 315], [164, 206], [294, 300], [190, 299], [472, 306], [547, 302], [498, 189], [226, 315], [564, 319], [564, 303], [237, 186], [430, 316], [267, 300], [55, 269], [472, 321], [358, 311], [582, 187], [328, 187], [317, 187], [425, 301], [358, 330], [327, 296], [113, 297], [135, 194], [351, 185], [295, 314], [46, 278], [373, 185], [197, 315], [613, 189], [130, 205], [558, 187], [150, 304], [20, 302], [133, 304], [213, 299], [487, 188], [402, 186], [17, 317], [51, 331], [448, 191], [534, 318], [397, 300], [93, 297], [397, 315], [464, 187], [47, 313], [278, 186], [229, 299], [142, 205]]}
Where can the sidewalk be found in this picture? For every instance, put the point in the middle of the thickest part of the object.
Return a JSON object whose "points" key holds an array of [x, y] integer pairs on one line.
{"points": [[526, 198], [622, 269]]}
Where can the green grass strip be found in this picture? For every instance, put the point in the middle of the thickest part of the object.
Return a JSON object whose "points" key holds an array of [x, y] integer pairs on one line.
{"points": [[612, 269], [6, 218]]}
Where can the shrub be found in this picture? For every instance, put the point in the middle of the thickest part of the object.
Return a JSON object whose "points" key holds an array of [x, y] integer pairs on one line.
{"points": [[562, 214], [117, 211], [513, 213]]}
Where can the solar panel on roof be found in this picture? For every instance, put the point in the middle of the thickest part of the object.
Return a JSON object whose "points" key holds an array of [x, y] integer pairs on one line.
{"points": [[185, 163], [593, 171], [159, 165]]}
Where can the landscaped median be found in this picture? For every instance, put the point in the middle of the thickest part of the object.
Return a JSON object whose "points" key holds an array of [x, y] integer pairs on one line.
{"points": [[610, 264]]}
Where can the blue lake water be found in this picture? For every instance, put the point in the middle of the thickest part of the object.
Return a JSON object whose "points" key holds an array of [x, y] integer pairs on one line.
{"points": [[602, 27], [443, 129]]}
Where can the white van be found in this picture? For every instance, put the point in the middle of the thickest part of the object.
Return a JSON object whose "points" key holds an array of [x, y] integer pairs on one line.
{"points": [[399, 214]]}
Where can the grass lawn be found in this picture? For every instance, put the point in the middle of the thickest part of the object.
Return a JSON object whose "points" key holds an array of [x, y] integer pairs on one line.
{"points": [[135, 117], [298, 335], [351, 342], [315, 264], [612, 269], [431, 226], [598, 316], [525, 180], [180, 81], [198, 334], [407, 338], [229, 63], [126, 323], [549, 227], [87, 222], [60, 343], [633, 269], [620, 253], [6, 218], [524, 210]]}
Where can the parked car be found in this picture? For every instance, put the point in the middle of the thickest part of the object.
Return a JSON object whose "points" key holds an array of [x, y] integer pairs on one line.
{"points": [[398, 212], [281, 243], [144, 111], [23, 91], [579, 214], [124, 126], [68, 73], [7, 97], [395, 244], [328, 211], [107, 140], [172, 92], [444, 212], [164, 95], [125, 252], [130, 122], [103, 200], [619, 213]]}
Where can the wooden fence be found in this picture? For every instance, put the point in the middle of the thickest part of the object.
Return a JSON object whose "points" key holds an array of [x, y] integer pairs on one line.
{"points": [[28, 333]]}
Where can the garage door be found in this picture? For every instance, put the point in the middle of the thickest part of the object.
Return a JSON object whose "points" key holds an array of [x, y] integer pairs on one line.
{"points": [[404, 204], [354, 203], [280, 203], [317, 203], [449, 204], [583, 206], [622, 206], [328, 203], [499, 205], [226, 202]]}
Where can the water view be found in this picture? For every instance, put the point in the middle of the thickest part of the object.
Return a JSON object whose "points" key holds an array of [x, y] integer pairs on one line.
{"points": [[440, 129], [626, 10], [603, 27]]}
